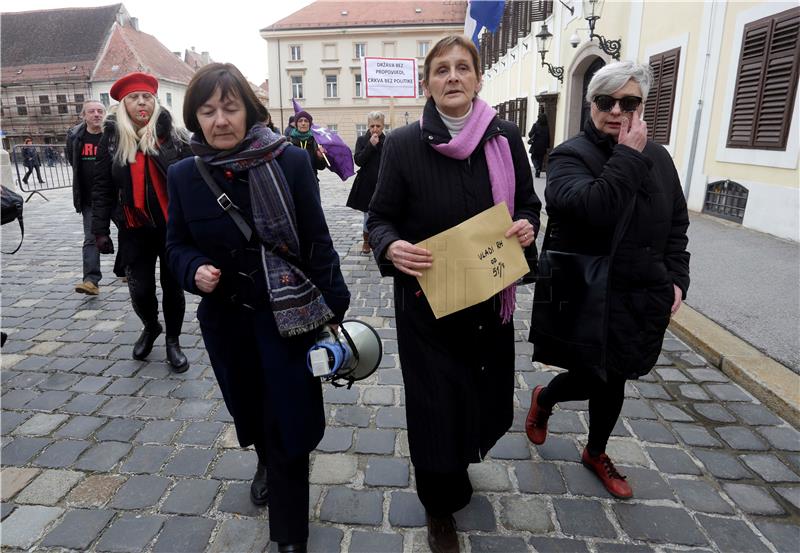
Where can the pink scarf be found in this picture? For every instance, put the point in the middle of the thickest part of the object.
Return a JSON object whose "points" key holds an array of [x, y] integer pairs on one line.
{"points": [[501, 172]]}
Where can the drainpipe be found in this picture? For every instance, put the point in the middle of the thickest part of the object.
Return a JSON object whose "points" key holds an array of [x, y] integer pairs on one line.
{"points": [[280, 85], [699, 112]]}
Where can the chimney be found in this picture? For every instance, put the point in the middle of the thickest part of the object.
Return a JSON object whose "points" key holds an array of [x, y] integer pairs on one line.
{"points": [[206, 58], [135, 23]]}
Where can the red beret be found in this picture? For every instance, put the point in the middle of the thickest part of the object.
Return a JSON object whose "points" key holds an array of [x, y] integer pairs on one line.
{"points": [[134, 82]]}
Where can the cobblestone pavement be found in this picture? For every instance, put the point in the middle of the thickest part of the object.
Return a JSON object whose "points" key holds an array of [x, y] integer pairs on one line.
{"points": [[104, 453]]}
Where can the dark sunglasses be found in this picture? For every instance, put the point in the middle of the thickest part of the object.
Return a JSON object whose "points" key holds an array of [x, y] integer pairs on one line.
{"points": [[626, 103]]}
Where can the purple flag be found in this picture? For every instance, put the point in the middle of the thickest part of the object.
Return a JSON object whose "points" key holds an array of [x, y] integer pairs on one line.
{"points": [[340, 157]]}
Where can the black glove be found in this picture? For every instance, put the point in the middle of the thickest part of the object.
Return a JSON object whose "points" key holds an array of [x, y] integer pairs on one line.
{"points": [[104, 243]]}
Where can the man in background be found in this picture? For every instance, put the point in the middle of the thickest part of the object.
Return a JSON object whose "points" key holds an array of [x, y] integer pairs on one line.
{"points": [[82, 141]]}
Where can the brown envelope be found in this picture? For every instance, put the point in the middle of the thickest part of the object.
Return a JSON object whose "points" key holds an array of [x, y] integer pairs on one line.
{"points": [[472, 262]]}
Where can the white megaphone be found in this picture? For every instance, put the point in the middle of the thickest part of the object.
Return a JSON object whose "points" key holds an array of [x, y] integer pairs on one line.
{"points": [[353, 353]]}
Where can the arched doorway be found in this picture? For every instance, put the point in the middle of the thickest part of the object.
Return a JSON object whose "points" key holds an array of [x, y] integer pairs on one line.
{"points": [[586, 110], [587, 61]]}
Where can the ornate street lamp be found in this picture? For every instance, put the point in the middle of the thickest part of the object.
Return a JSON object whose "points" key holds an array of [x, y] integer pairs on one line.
{"points": [[543, 42], [591, 12]]}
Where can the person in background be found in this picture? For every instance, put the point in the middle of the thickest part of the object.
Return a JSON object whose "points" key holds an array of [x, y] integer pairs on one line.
{"points": [[137, 147], [592, 180], [368, 157], [269, 124], [458, 371], [539, 139], [82, 142], [265, 297], [302, 137], [31, 161], [288, 130]]}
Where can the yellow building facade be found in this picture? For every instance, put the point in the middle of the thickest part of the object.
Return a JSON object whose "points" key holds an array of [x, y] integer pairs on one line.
{"points": [[706, 39]]}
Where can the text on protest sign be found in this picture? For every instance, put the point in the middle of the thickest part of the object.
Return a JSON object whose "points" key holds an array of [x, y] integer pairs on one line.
{"points": [[390, 77]]}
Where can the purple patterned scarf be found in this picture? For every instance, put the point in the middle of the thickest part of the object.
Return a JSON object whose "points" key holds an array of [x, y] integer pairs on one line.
{"points": [[501, 172]]}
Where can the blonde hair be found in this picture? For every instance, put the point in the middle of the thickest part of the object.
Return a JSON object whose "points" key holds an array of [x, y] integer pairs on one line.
{"points": [[131, 140]]}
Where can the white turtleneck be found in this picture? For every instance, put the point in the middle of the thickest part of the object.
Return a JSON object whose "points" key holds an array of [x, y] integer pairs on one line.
{"points": [[455, 124]]}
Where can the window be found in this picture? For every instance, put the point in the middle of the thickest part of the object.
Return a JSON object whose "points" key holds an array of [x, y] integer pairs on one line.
{"points": [[334, 128], [21, 109], [422, 48], [169, 99], [296, 53], [357, 85], [766, 82], [361, 129], [660, 101], [79, 99], [44, 105], [329, 52], [61, 100], [104, 99], [331, 86], [360, 49], [297, 86]]}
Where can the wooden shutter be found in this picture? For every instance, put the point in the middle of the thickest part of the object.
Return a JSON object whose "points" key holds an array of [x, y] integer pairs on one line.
{"points": [[660, 102], [541, 10], [766, 82]]}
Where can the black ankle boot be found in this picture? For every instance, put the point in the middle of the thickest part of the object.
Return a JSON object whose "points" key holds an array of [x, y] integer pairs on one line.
{"points": [[258, 489], [144, 345], [175, 356], [293, 547]]}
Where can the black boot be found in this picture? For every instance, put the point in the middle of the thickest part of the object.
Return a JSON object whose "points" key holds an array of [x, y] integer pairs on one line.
{"points": [[175, 356], [258, 489], [293, 547], [144, 345]]}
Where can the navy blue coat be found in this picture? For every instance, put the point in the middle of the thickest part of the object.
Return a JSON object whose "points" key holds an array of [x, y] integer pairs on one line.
{"points": [[263, 376]]}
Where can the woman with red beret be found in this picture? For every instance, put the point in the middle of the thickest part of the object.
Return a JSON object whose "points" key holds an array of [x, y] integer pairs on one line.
{"points": [[130, 187]]}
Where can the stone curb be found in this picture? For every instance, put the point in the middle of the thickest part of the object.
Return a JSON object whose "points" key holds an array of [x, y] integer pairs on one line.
{"points": [[772, 383]]}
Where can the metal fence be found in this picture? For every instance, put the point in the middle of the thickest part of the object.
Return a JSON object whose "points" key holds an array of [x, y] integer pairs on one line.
{"points": [[40, 167]]}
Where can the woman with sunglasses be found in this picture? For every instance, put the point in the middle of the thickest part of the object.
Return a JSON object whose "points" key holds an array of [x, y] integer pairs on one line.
{"points": [[592, 181]]}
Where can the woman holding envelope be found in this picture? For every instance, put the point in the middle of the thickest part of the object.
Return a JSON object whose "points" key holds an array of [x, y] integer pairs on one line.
{"points": [[457, 161]]}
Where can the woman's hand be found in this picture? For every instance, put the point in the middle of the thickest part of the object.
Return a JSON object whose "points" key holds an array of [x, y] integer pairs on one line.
{"points": [[636, 136], [676, 304], [524, 231], [206, 278], [320, 151], [408, 258]]}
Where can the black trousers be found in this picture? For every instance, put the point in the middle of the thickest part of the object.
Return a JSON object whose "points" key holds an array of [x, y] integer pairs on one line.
{"points": [[31, 170], [287, 489], [605, 402], [139, 249], [443, 494]]}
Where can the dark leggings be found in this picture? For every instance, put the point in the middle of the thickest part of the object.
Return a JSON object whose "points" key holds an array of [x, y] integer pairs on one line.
{"points": [[141, 273], [605, 402]]}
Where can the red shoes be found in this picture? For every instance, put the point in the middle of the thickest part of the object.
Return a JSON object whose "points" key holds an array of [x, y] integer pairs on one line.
{"points": [[605, 470], [536, 421]]}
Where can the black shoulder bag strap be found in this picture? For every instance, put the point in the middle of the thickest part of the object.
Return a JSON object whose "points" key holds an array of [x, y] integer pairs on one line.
{"points": [[223, 200]]}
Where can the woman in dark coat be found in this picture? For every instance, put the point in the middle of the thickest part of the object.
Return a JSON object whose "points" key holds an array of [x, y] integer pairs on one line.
{"points": [[539, 139], [592, 180], [130, 187], [368, 158], [31, 161], [265, 297], [458, 371], [302, 137]]}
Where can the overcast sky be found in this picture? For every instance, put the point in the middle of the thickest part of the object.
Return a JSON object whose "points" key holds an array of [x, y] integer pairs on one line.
{"points": [[227, 30]]}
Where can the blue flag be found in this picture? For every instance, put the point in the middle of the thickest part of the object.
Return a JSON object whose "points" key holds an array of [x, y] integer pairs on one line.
{"points": [[483, 13]]}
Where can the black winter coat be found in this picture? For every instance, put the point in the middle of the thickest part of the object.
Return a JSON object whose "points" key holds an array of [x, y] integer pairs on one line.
{"points": [[539, 140], [458, 371], [368, 158], [310, 146], [263, 376], [590, 182], [113, 186], [73, 150]]}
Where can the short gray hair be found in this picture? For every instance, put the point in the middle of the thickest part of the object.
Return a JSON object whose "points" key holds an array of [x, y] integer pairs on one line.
{"points": [[613, 76], [92, 101], [375, 116]]}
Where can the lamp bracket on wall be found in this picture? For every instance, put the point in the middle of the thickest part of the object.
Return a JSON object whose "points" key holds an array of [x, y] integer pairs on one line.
{"points": [[570, 8], [557, 72]]}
